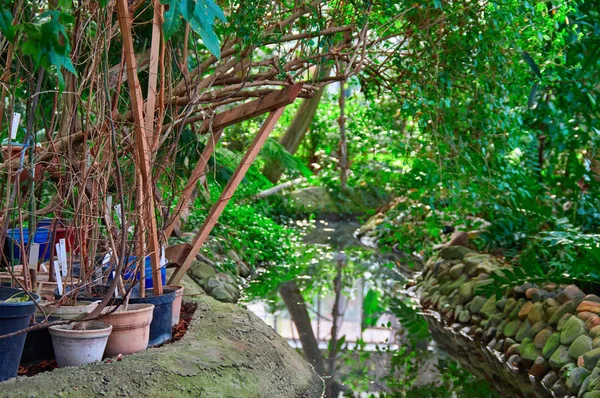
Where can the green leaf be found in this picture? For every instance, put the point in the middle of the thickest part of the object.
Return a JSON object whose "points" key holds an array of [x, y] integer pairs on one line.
{"points": [[531, 63], [531, 100], [201, 16], [6, 27], [172, 18]]}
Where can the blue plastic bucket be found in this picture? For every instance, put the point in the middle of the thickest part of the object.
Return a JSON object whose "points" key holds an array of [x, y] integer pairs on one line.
{"points": [[13, 317], [130, 264], [42, 237]]}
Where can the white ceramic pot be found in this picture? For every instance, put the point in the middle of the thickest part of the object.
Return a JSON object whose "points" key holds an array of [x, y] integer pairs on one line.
{"points": [[79, 347]]}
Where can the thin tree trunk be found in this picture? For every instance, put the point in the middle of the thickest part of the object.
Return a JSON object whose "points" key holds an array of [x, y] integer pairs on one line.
{"points": [[296, 131], [335, 315], [343, 142], [290, 293]]}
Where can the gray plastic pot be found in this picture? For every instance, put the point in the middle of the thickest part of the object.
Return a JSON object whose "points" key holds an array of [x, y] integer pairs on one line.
{"points": [[79, 347]]}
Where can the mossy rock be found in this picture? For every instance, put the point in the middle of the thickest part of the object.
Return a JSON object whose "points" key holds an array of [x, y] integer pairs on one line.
{"points": [[568, 307], [551, 345], [560, 357], [591, 358], [524, 331], [580, 346], [477, 304], [529, 352], [489, 308], [454, 252], [572, 329], [576, 379], [508, 307], [537, 313], [511, 328]]}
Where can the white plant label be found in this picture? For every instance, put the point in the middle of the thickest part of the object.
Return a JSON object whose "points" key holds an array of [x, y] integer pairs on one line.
{"points": [[106, 258], [108, 205], [15, 125], [34, 255], [163, 258], [119, 213], [62, 256], [44, 268], [116, 292], [58, 278]]}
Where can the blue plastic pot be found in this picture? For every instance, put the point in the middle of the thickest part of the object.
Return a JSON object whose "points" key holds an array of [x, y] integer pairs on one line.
{"points": [[130, 264], [160, 328], [13, 247], [13, 317], [45, 223]]}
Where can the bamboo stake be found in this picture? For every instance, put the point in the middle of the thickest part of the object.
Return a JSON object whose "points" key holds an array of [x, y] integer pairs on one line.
{"points": [[141, 144], [230, 188], [153, 72], [197, 173]]}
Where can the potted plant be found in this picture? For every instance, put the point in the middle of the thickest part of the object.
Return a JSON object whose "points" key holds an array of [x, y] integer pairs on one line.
{"points": [[80, 343], [176, 311], [131, 328], [16, 307]]}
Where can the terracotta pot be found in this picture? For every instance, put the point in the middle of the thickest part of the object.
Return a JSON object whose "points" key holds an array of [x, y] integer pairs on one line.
{"points": [[131, 328], [176, 303], [79, 347]]}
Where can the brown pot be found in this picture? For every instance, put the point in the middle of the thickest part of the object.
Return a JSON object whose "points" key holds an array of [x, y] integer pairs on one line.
{"points": [[176, 303], [131, 328]]}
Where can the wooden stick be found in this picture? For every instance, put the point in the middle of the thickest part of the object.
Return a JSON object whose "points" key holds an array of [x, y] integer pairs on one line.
{"points": [[230, 188], [199, 171], [153, 72], [141, 144], [268, 103]]}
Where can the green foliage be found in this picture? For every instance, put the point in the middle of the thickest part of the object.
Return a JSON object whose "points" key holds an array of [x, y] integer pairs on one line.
{"points": [[47, 42], [200, 14]]}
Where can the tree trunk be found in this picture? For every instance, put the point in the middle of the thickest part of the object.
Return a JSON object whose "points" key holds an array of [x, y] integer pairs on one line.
{"points": [[343, 142], [297, 308], [296, 131]]}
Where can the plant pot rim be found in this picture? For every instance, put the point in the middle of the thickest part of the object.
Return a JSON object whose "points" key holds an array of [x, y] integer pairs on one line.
{"points": [[20, 303], [100, 329], [131, 309]]}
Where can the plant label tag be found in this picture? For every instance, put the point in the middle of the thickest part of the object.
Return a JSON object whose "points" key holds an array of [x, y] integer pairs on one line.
{"points": [[119, 213], [116, 293], [108, 205], [98, 273], [163, 258], [106, 258], [58, 278], [34, 254], [43, 265], [15, 125]]}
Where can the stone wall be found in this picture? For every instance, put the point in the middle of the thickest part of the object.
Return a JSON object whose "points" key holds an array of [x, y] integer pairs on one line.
{"points": [[536, 341]]}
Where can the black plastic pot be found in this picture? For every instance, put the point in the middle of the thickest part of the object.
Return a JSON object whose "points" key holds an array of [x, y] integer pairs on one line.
{"points": [[160, 328], [38, 344], [13, 317]]}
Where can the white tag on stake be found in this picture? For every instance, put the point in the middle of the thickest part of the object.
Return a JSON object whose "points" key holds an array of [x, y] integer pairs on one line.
{"points": [[15, 125], [63, 256], [34, 254], [58, 278]]}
